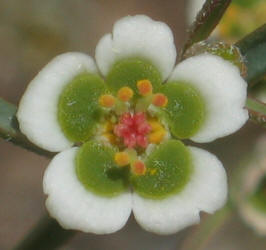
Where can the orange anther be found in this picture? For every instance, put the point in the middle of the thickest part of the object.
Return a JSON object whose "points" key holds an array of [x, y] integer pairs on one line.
{"points": [[159, 100], [157, 137], [138, 167], [107, 101], [125, 94], [144, 87], [122, 159]]}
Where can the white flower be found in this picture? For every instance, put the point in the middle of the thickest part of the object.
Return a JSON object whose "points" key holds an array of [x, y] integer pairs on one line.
{"points": [[212, 87]]}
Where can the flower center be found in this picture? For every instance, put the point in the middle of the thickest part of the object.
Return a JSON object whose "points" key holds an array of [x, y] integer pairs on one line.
{"points": [[130, 126], [133, 129]]}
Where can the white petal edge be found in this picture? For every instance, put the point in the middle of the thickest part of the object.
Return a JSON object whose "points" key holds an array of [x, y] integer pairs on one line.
{"points": [[206, 191], [138, 36], [223, 90], [74, 207], [37, 111]]}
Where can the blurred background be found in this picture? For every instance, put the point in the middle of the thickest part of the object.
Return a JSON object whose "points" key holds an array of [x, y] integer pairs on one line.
{"points": [[32, 32]]}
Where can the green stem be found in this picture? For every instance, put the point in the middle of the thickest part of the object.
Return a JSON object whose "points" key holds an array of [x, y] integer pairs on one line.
{"points": [[9, 130], [253, 48], [207, 229], [257, 111], [46, 235], [206, 20]]}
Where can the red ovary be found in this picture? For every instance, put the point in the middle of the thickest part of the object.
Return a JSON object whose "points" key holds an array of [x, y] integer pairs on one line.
{"points": [[133, 128]]}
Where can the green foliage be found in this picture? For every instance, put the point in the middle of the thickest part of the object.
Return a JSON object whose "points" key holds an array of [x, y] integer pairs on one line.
{"points": [[10, 132], [47, 234], [257, 111], [253, 48], [246, 3], [258, 198]]}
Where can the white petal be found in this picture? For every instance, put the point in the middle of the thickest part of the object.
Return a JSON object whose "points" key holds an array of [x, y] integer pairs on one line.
{"points": [[223, 90], [37, 111], [138, 36], [206, 191], [74, 207]]}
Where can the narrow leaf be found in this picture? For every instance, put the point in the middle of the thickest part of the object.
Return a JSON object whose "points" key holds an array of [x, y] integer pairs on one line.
{"points": [[253, 48], [10, 132], [207, 229], [46, 235], [206, 20], [257, 111]]}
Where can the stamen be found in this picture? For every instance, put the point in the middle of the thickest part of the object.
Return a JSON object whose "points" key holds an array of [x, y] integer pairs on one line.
{"points": [[158, 132], [144, 87], [156, 137], [138, 168], [122, 159], [159, 100], [107, 101], [125, 94], [108, 132]]}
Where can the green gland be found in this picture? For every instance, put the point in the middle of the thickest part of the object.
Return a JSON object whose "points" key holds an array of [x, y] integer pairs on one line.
{"points": [[78, 109], [97, 171], [185, 111], [127, 72], [169, 169], [258, 198]]}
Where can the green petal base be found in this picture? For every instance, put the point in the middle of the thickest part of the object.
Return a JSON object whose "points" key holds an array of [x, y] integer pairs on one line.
{"points": [[185, 111], [78, 109], [97, 171], [127, 72], [169, 168]]}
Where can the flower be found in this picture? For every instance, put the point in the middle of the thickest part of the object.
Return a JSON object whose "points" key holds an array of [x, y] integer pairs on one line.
{"points": [[119, 129]]}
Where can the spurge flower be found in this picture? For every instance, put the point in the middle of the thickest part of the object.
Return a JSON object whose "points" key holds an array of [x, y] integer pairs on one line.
{"points": [[117, 125]]}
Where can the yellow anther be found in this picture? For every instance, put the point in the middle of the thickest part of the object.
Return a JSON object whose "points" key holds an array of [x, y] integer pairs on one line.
{"points": [[125, 94], [138, 168], [155, 125], [122, 159], [144, 87], [157, 136], [159, 100], [107, 101], [158, 132]]}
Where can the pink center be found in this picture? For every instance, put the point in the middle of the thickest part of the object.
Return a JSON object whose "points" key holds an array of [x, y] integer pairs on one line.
{"points": [[133, 128]]}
